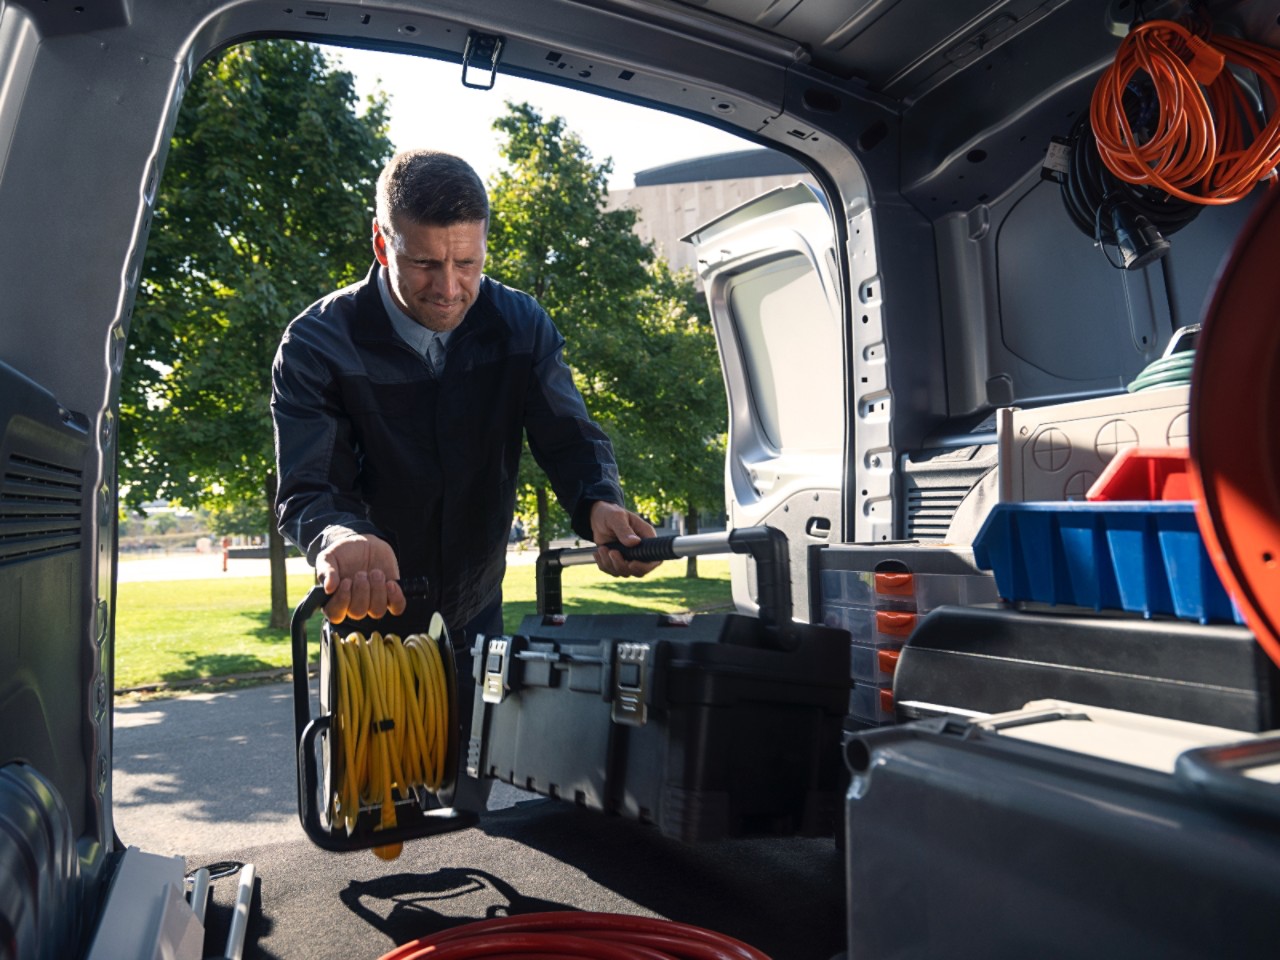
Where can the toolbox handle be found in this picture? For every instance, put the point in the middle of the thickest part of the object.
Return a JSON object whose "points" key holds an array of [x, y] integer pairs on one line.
{"points": [[1217, 773], [767, 545]]}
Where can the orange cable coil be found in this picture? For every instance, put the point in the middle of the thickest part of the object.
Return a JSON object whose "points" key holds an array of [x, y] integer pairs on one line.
{"points": [[1207, 146]]}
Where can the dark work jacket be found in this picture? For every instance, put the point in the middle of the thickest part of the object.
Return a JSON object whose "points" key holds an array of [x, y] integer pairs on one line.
{"points": [[368, 440]]}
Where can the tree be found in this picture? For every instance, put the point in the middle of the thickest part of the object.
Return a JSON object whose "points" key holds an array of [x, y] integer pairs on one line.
{"points": [[264, 206], [638, 337], [551, 236], [670, 428]]}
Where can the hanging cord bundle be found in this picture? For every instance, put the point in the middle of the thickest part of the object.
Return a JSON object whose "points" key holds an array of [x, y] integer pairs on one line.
{"points": [[1094, 196], [391, 716], [1206, 143], [597, 936]]}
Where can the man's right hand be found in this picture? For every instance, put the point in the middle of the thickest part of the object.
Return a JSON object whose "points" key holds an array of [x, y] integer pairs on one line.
{"points": [[361, 575]]}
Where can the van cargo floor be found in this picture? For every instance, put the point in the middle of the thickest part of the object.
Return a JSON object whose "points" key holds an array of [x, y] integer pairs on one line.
{"points": [[218, 769]]}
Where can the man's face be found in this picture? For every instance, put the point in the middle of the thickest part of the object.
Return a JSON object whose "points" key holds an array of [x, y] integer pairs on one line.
{"points": [[434, 272]]}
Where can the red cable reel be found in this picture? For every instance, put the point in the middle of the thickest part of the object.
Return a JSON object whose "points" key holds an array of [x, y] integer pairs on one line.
{"points": [[597, 936], [1235, 424]]}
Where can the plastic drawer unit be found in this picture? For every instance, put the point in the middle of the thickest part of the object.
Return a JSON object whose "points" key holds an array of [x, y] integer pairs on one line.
{"points": [[879, 593], [1062, 830], [707, 726]]}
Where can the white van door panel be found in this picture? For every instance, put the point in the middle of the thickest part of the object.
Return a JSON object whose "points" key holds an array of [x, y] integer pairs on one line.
{"points": [[769, 271]]}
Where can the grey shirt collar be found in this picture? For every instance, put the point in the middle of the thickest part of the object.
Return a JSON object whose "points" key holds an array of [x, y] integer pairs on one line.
{"points": [[408, 329]]}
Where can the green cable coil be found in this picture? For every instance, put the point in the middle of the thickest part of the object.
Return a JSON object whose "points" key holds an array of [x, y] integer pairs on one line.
{"points": [[1165, 372]]}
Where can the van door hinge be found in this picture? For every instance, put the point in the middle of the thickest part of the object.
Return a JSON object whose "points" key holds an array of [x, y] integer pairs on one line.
{"points": [[481, 54]]}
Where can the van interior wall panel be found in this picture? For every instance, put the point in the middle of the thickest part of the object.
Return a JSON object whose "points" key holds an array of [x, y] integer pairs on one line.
{"points": [[1007, 343], [51, 685], [913, 322], [1197, 252], [1101, 328], [966, 138], [72, 221]]}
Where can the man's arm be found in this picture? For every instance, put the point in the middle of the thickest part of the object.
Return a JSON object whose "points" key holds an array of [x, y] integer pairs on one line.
{"points": [[578, 458], [317, 505]]}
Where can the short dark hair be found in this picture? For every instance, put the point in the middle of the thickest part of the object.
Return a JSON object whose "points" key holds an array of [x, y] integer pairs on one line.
{"points": [[430, 187]]}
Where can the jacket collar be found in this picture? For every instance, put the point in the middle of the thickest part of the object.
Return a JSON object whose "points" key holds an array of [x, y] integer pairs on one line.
{"points": [[374, 326]]}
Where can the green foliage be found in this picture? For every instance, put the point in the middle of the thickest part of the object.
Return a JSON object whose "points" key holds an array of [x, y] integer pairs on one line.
{"points": [[551, 236], [264, 206], [242, 517], [638, 337], [666, 412], [173, 631]]}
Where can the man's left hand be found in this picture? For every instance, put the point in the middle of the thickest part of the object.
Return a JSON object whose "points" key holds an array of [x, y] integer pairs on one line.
{"points": [[610, 523]]}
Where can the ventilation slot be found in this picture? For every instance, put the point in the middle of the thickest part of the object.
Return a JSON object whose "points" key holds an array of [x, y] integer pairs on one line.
{"points": [[929, 511], [40, 506]]}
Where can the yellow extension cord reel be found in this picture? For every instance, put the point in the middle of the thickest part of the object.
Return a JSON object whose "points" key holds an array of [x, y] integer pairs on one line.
{"points": [[386, 737]]}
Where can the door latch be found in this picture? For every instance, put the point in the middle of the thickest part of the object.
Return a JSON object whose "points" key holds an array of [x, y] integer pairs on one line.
{"points": [[481, 54], [630, 684], [497, 666]]}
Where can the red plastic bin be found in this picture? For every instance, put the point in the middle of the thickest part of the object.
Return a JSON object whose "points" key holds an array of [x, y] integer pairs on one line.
{"points": [[1145, 473]]}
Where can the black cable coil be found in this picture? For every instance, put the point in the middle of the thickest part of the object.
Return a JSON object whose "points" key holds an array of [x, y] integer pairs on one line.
{"points": [[1090, 190]]}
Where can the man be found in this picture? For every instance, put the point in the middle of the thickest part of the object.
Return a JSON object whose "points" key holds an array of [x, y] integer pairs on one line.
{"points": [[399, 404]]}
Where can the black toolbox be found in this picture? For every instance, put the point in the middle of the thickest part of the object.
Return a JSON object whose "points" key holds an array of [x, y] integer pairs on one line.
{"points": [[707, 726]]}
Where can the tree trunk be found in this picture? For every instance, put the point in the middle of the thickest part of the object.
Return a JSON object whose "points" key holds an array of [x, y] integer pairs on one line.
{"points": [[691, 527], [275, 554], [544, 521]]}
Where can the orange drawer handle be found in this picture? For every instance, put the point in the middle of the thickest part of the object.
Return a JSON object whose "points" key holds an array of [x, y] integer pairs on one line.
{"points": [[895, 584], [895, 623], [887, 660], [886, 700]]}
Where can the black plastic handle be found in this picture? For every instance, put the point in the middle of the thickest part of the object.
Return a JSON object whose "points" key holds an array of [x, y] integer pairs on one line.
{"points": [[312, 602], [768, 546], [1216, 773], [652, 550], [423, 824]]}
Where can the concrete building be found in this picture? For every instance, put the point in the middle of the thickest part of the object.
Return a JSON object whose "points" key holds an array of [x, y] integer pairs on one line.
{"points": [[675, 199]]}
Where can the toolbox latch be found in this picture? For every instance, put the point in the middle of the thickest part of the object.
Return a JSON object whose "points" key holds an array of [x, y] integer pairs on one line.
{"points": [[630, 684], [497, 663]]}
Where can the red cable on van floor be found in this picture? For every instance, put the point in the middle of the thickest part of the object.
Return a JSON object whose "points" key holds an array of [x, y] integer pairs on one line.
{"points": [[596, 936]]}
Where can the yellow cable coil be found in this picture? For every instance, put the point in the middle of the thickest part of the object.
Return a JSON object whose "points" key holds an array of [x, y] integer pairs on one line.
{"points": [[391, 714]]}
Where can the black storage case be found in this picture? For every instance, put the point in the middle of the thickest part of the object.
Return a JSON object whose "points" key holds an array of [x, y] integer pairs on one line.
{"points": [[993, 659], [965, 843], [707, 726]]}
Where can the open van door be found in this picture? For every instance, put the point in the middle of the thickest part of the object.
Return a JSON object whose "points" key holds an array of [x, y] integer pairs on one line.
{"points": [[769, 269]]}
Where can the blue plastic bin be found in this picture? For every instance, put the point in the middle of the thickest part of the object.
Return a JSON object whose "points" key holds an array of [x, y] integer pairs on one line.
{"points": [[1144, 557]]}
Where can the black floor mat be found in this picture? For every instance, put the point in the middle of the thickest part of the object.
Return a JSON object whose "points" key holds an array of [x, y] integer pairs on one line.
{"points": [[782, 896]]}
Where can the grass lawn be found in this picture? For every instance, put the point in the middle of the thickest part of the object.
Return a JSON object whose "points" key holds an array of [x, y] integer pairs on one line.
{"points": [[180, 630]]}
